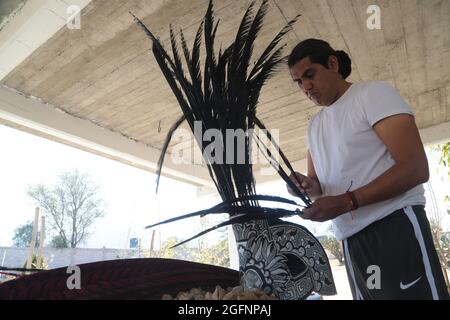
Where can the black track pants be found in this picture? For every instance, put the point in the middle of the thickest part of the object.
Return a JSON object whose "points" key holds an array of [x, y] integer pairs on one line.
{"points": [[395, 258]]}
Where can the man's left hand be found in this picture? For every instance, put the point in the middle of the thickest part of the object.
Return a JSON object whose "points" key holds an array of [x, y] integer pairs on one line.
{"points": [[326, 208]]}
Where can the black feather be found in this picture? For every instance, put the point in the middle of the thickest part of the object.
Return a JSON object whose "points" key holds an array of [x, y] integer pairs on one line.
{"points": [[226, 97], [165, 146]]}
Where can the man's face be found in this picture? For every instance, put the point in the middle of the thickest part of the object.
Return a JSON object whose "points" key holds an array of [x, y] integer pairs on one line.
{"points": [[317, 82]]}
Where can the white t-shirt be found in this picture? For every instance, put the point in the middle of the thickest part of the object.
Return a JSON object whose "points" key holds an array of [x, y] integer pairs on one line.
{"points": [[346, 151]]}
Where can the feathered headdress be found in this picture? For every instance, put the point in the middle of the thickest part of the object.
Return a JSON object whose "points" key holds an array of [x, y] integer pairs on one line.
{"points": [[225, 97]]}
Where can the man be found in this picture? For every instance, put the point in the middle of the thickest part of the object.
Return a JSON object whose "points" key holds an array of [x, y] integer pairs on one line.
{"points": [[366, 166]]}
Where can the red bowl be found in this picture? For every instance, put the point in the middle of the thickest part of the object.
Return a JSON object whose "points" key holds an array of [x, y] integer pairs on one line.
{"points": [[121, 279]]}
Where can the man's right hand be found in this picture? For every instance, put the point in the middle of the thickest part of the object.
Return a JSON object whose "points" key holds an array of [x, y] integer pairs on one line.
{"points": [[307, 184]]}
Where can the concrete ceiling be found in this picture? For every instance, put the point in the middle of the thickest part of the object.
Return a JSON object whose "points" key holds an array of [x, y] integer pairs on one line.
{"points": [[8, 9], [105, 73]]}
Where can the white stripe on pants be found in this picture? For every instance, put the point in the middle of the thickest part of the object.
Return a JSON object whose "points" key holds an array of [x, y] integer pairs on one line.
{"points": [[426, 262], [352, 273]]}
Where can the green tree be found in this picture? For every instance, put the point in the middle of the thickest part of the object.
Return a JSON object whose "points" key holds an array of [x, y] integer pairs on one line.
{"points": [[217, 254], [23, 234], [334, 247], [71, 207], [445, 242], [443, 151], [441, 242], [167, 251], [35, 264], [58, 242]]}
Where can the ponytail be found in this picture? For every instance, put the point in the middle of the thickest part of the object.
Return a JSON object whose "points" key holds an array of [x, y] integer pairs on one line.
{"points": [[319, 51], [345, 63]]}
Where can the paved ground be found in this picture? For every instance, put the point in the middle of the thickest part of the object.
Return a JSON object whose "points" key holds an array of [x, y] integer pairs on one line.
{"points": [[341, 282]]}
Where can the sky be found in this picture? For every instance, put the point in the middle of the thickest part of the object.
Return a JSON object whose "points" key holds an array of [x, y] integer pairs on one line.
{"points": [[128, 193]]}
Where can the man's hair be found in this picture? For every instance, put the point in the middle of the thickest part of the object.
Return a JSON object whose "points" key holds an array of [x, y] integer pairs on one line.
{"points": [[319, 51]]}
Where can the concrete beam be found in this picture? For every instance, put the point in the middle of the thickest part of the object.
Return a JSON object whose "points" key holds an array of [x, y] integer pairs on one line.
{"points": [[32, 115]]}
